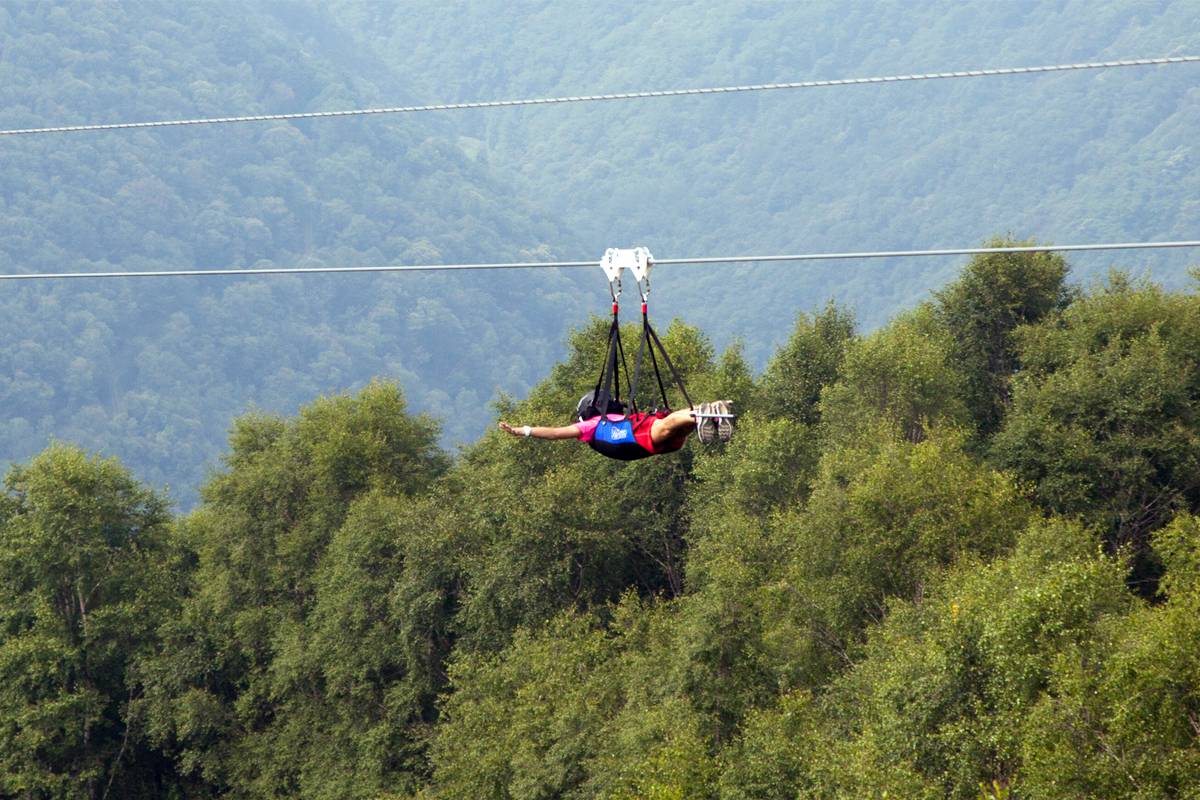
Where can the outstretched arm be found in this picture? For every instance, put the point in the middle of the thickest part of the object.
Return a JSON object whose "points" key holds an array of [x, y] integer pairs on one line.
{"points": [[566, 432]]}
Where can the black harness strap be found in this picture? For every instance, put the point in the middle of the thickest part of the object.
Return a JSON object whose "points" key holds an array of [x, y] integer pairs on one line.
{"points": [[624, 366], [670, 366], [651, 338], [662, 390], [637, 367], [604, 379], [608, 384], [600, 379]]}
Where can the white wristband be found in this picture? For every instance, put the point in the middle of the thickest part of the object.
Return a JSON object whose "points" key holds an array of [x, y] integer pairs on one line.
{"points": [[527, 431]]}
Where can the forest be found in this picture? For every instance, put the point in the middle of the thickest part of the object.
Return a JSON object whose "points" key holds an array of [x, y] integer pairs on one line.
{"points": [[262, 538], [152, 372], [957, 556]]}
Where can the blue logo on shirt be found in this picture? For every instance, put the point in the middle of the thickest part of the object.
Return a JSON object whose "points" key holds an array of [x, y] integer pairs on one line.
{"points": [[614, 432]]}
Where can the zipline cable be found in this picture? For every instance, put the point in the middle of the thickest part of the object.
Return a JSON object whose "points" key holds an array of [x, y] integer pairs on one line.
{"points": [[869, 254], [591, 98]]}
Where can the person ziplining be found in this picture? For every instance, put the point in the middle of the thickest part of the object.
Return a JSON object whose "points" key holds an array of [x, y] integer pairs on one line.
{"points": [[652, 434], [617, 428]]}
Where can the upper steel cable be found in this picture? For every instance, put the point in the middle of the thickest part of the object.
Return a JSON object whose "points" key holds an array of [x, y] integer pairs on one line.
{"points": [[590, 98], [956, 251]]}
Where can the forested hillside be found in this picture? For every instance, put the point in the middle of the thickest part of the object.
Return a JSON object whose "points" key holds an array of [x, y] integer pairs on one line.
{"points": [[154, 370], [955, 557], [952, 552], [1074, 157]]}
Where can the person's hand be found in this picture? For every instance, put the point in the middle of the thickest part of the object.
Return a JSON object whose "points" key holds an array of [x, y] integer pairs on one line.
{"points": [[504, 426]]}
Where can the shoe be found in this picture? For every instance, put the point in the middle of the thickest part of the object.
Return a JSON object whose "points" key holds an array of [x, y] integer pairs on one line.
{"points": [[706, 426], [724, 425]]}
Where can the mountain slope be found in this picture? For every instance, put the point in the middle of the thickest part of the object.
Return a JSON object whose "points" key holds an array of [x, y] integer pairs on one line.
{"points": [[1070, 157], [153, 371]]}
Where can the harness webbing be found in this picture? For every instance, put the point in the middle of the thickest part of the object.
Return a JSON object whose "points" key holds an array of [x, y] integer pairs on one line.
{"points": [[670, 366], [608, 384], [649, 337]]}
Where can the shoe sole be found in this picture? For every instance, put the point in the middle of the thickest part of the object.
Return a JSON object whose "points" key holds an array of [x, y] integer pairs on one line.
{"points": [[706, 428], [724, 424]]}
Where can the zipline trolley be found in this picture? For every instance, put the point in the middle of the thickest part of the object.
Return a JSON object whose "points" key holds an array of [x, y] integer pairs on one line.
{"points": [[606, 399]]}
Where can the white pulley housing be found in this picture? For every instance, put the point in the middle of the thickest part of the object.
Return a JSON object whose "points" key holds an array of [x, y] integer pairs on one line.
{"points": [[637, 260]]}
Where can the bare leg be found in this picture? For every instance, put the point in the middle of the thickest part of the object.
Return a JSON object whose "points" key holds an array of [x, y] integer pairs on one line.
{"points": [[673, 428]]}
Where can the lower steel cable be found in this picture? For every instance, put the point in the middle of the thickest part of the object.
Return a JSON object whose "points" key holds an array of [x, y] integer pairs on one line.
{"points": [[798, 257]]}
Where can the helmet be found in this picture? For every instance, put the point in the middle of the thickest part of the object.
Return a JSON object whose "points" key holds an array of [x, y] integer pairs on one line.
{"points": [[587, 406]]}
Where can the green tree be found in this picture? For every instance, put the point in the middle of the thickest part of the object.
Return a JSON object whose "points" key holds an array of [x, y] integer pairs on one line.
{"points": [[783, 600], [903, 374], [522, 723], [993, 295], [767, 467], [808, 362], [773, 757], [1121, 718], [87, 573], [308, 652], [883, 520], [582, 708], [946, 691], [1105, 420]]}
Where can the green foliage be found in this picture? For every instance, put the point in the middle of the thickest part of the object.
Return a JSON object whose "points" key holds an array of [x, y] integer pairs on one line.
{"points": [[677, 767], [994, 295], [773, 757], [307, 657], [578, 710], [808, 362], [880, 525], [767, 467], [1122, 718], [853, 604], [1106, 413], [945, 692], [784, 602], [87, 573], [520, 724], [575, 536], [904, 374]]}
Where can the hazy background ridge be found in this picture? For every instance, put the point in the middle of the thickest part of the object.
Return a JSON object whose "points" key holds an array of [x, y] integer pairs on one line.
{"points": [[153, 372]]}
